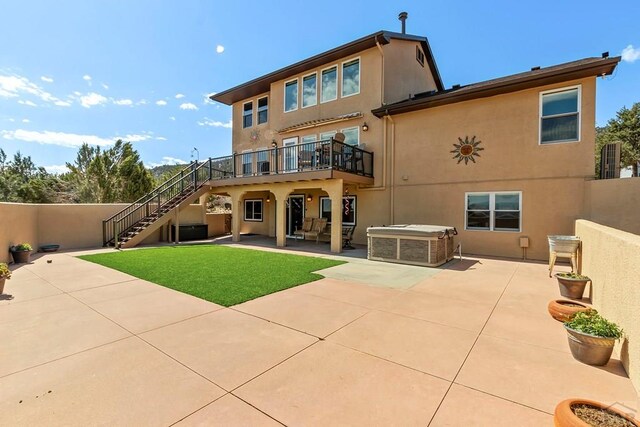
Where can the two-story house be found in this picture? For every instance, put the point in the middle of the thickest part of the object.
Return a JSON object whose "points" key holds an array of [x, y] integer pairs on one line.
{"points": [[498, 160]]}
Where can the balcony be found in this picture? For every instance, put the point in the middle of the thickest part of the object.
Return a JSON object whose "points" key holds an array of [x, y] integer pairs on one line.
{"points": [[314, 160]]}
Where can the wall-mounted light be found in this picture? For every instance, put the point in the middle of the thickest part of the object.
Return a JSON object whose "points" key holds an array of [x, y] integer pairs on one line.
{"points": [[268, 199], [309, 197], [274, 144], [365, 127]]}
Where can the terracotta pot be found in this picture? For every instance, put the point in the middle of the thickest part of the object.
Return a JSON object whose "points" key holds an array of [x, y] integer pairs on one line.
{"points": [[564, 416], [21, 257], [562, 311], [571, 288], [590, 349]]}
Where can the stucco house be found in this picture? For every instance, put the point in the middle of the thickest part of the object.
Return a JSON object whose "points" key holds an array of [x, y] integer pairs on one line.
{"points": [[369, 129]]}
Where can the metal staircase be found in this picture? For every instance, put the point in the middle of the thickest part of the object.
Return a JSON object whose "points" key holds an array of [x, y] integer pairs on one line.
{"points": [[135, 222]]}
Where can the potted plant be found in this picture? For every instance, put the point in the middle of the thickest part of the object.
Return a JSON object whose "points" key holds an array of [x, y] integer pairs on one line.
{"points": [[21, 253], [592, 337], [5, 274], [572, 284], [586, 413], [563, 310]]}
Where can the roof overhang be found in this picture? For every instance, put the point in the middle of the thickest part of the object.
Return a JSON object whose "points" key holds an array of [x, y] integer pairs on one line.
{"points": [[263, 84], [517, 82]]}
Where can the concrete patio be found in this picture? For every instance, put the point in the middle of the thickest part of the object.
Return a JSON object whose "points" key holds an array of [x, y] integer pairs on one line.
{"points": [[371, 344]]}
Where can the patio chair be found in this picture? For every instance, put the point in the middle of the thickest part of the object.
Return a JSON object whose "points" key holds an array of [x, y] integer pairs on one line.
{"points": [[347, 235], [317, 229], [307, 225]]}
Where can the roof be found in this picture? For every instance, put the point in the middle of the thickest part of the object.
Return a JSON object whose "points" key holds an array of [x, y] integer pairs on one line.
{"points": [[587, 67], [313, 123], [263, 84]]}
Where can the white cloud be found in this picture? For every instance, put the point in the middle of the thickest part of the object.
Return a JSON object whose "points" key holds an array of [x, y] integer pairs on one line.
{"points": [[179, 95], [60, 103], [123, 102], [25, 120], [161, 138], [166, 160], [46, 79], [57, 169], [64, 139], [172, 118], [216, 123], [630, 54], [219, 48], [161, 102], [91, 99], [104, 86], [86, 78], [188, 106], [27, 102], [142, 102], [13, 86]]}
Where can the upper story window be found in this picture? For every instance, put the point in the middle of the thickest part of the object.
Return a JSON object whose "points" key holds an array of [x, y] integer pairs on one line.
{"points": [[309, 90], [263, 110], [247, 162], [560, 115], [351, 136], [329, 84], [324, 136], [351, 78], [419, 56], [498, 211], [247, 114], [291, 95]]}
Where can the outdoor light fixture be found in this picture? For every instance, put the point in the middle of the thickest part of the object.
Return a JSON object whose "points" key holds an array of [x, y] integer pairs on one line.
{"points": [[274, 144], [365, 127], [309, 197], [268, 199]]}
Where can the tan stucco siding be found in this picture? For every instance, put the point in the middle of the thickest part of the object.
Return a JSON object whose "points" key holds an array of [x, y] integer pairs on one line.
{"points": [[403, 74], [19, 224], [614, 202]]}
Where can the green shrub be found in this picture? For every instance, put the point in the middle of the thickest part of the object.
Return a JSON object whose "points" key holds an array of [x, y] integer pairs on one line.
{"points": [[4, 271], [572, 275], [22, 247], [592, 323]]}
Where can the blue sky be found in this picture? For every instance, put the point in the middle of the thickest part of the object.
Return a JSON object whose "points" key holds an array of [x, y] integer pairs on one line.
{"points": [[73, 71]]}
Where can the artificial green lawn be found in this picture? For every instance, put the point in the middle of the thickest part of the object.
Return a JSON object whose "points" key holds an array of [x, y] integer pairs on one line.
{"points": [[220, 274]]}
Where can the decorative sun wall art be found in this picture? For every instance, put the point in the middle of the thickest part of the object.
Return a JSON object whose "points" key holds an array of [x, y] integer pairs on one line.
{"points": [[467, 149]]}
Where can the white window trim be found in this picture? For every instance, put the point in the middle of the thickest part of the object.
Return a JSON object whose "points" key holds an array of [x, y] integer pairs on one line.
{"points": [[284, 89], [257, 110], [350, 128], [560, 89], [322, 85], [313, 135], [355, 204], [342, 95], [315, 73], [243, 115], [261, 207], [492, 206]]}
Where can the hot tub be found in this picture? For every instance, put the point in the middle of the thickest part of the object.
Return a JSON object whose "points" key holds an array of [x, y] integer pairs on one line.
{"points": [[426, 245]]}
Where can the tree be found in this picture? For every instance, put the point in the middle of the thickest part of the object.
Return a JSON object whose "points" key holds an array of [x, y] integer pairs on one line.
{"points": [[625, 129], [22, 181], [107, 176]]}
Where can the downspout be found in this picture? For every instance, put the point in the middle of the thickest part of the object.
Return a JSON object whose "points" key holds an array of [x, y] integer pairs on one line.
{"points": [[391, 172], [384, 133]]}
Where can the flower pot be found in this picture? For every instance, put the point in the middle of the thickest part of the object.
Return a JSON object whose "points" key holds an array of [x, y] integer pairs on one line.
{"points": [[590, 349], [571, 288], [564, 415], [21, 257], [2, 280], [563, 310]]}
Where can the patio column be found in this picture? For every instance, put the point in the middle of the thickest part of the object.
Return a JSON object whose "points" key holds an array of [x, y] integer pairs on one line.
{"points": [[237, 212], [176, 237], [281, 212], [336, 219]]}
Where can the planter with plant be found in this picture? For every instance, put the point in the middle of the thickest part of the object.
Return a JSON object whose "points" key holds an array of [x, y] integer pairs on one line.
{"points": [[572, 284], [592, 337], [588, 413], [5, 274], [563, 310], [21, 253]]}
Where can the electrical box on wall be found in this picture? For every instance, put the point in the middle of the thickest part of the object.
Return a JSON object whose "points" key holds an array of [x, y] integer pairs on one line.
{"points": [[524, 242]]}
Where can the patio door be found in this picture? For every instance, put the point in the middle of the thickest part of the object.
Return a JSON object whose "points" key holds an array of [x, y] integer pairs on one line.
{"points": [[294, 214], [290, 154]]}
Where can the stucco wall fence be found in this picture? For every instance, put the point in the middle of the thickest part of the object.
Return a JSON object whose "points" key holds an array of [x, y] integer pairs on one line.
{"points": [[610, 258]]}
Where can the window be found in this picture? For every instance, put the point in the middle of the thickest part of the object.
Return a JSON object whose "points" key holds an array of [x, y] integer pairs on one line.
{"points": [[498, 211], [291, 95], [329, 90], [326, 136], [309, 90], [419, 56], [253, 210], [348, 209], [263, 110], [308, 139], [351, 78], [560, 115], [351, 136], [247, 162], [262, 161], [247, 115]]}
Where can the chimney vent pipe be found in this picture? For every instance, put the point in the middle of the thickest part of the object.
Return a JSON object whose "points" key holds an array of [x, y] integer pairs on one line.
{"points": [[403, 18]]}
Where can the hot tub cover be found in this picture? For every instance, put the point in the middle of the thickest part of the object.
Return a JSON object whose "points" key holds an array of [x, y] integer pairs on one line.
{"points": [[413, 230]]}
